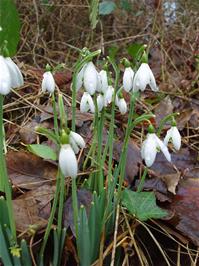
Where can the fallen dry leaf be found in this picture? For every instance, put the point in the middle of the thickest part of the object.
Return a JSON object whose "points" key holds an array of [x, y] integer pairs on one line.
{"points": [[33, 208], [27, 133], [185, 204], [133, 159], [29, 171]]}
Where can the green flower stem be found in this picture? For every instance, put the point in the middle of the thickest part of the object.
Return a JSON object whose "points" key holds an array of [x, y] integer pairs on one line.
{"points": [[112, 123], [55, 115], [61, 205], [75, 206], [100, 175], [122, 162], [164, 120], [4, 180], [50, 221], [141, 184], [80, 63]]}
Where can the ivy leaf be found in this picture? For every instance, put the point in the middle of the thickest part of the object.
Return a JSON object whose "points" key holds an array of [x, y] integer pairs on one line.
{"points": [[42, 151], [106, 7], [9, 26], [142, 205]]}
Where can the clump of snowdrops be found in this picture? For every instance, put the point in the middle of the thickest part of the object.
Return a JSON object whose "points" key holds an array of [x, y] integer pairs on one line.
{"points": [[102, 95]]}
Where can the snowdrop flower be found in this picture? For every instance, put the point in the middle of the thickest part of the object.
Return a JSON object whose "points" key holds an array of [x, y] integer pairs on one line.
{"points": [[68, 161], [143, 77], [150, 148], [15, 73], [48, 82], [90, 78], [10, 75], [100, 102], [87, 104], [173, 135], [76, 141], [80, 76], [121, 104], [108, 95], [128, 79], [103, 81]]}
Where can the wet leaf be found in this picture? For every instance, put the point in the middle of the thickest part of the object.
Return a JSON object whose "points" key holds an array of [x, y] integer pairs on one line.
{"points": [[142, 205], [133, 159], [27, 133], [186, 207], [33, 208], [29, 171], [164, 108]]}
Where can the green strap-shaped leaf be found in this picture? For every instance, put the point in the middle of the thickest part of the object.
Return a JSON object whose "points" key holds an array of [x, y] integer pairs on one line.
{"points": [[9, 26], [42, 151], [142, 205]]}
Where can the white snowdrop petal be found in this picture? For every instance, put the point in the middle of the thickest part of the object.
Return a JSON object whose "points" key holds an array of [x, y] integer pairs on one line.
{"points": [[122, 106], [74, 145], [103, 80], [128, 79], [100, 102], [176, 138], [108, 95], [80, 75], [78, 139], [167, 137], [48, 82], [68, 161], [90, 78], [15, 73], [163, 148], [91, 104], [84, 107], [149, 150], [5, 78]]}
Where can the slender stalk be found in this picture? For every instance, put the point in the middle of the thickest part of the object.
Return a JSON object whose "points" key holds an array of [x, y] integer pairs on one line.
{"points": [[141, 184], [100, 175], [55, 115], [61, 205], [163, 122], [4, 180], [75, 206], [111, 128], [122, 163], [50, 220]]}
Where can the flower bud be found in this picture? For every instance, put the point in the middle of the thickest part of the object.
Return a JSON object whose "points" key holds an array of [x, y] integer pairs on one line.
{"points": [[128, 79]]}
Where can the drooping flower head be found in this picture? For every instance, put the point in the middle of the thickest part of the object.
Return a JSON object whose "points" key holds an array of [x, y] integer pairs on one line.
{"points": [[48, 82], [87, 104], [10, 75], [143, 77], [90, 78], [121, 104], [128, 79], [173, 136], [68, 161], [151, 146], [72, 142]]}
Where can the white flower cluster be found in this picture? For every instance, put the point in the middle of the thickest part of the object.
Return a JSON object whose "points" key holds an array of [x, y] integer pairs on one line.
{"points": [[153, 144], [10, 75], [97, 82], [67, 158]]}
